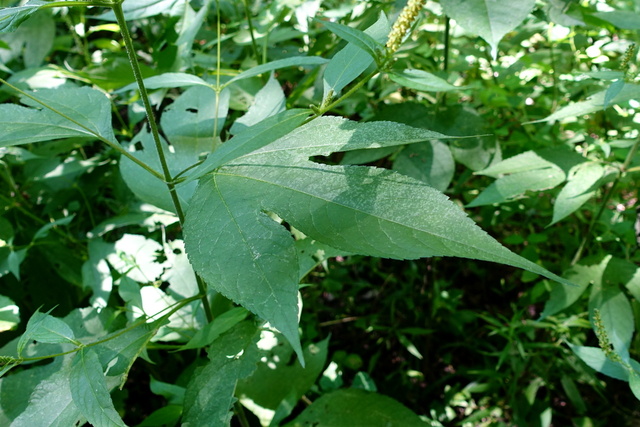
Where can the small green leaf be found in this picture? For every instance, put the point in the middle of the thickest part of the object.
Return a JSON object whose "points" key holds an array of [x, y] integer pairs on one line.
{"points": [[353, 407], [217, 327], [613, 91], [47, 329], [44, 230], [422, 81], [169, 80], [359, 38], [277, 384], [490, 19], [581, 186], [294, 61], [89, 390], [210, 393], [269, 101], [429, 161], [616, 313], [595, 102], [12, 17], [350, 62], [563, 296]]}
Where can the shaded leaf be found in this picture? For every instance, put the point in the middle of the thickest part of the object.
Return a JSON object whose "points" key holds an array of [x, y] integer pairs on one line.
{"points": [[89, 391], [581, 186], [422, 81], [277, 384], [430, 162], [354, 407], [490, 19], [294, 61], [210, 393]]}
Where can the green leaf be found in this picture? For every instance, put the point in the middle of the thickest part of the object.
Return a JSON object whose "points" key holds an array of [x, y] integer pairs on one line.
{"points": [[595, 102], [51, 403], [253, 138], [490, 19], [616, 313], [169, 80], [47, 329], [429, 161], [529, 171], [354, 407], [217, 327], [613, 91], [350, 62], [422, 81], [269, 101], [210, 393], [294, 61], [276, 386], [89, 108], [145, 8], [581, 186], [625, 19], [563, 296], [9, 314], [359, 38], [596, 359], [89, 390], [120, 349], [12, 17], [355, 209], [44, 230]]}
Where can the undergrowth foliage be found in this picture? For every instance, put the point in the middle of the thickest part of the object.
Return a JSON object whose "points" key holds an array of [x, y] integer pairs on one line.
{"points": [[181, 178]]}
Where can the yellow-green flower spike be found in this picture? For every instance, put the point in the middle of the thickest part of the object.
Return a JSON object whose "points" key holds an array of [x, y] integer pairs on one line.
{"points": [[402, 25]]}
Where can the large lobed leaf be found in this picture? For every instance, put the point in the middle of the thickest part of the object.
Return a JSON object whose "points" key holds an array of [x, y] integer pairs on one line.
{"points": [[247, 256]]}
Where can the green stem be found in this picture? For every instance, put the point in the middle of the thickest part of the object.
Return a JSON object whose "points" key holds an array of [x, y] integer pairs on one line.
{"points": [[153, 125], [605, 200], [324, 108], [247, 11], [177, 307], [111, 144], [128, 42]]}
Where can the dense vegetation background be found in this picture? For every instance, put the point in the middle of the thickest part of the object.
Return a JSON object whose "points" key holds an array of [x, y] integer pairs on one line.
{"points": [[544, 91]]}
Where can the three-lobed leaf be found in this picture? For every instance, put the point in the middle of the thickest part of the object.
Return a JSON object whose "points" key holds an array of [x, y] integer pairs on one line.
{"points": [[247, 256]]}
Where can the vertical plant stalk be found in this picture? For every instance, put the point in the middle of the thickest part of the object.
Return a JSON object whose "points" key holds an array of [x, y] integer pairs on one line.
{"points": [[247, 12], [128, 42], [632, 152]]}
